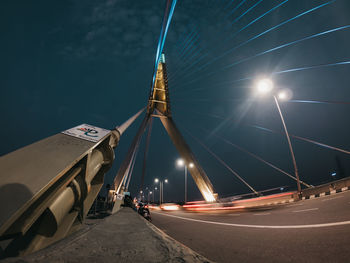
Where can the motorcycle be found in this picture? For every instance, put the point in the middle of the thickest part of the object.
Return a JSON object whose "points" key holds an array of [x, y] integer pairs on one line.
{"points": [[144, 211]]}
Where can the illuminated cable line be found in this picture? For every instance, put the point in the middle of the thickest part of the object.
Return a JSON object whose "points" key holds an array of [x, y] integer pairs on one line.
{"points": [[312, 67], [242, 16], [235, 8], [252, 22], [193, 38], [193, 64], [320, 102], [273, 49], [186, 61], [246, 100], [282, 72], [185, 39], [286, 45], [306, 140], [222, 162], [188, 39], [262, 160], [163, 33], [247, 11], [199, 113], [193, 55], [193, 43], [230, 2], [259, 35], [272, 131]]}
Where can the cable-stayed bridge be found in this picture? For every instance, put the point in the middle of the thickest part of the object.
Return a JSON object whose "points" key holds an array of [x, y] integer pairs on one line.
{"points": [[52, 184]]}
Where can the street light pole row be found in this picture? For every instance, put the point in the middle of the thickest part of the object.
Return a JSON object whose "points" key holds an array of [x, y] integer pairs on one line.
{"points": [[161, 187], [181, 163]]}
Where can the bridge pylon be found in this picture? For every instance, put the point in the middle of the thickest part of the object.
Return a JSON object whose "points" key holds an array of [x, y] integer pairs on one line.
{"points": [[159, 107]]}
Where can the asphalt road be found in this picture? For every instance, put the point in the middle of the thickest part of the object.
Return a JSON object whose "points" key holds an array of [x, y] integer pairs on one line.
{"points": [[316, 230]]}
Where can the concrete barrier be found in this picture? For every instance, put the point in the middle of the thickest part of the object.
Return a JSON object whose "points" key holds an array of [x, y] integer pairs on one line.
{"points": [[327, 189]]}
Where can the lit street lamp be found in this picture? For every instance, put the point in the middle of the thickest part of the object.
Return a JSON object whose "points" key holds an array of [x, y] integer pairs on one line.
{"points": [[161, 188], [181, 163], [265, 86]]}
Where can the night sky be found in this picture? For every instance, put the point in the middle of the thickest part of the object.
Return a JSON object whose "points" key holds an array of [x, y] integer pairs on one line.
{"points": [[69, 62]]}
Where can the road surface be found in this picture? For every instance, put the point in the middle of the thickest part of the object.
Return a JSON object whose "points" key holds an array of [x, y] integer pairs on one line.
{"points": [[316, 230]]}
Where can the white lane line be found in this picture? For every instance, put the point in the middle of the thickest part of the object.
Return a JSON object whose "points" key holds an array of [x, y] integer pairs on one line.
{"points": [[262, 214], [341, 223], [305, 210], [332, 198], [294, 205]]}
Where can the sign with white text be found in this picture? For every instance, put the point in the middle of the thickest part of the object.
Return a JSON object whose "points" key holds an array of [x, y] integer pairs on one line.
{"points": [[87, 132]]}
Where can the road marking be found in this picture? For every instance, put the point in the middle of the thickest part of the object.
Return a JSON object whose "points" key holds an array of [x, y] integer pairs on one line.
{"points": [[294, 205], [262, 214], [332, 198], [341, 223], [305, 210]]}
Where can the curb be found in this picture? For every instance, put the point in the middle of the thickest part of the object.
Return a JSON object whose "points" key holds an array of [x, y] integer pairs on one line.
{"points": [[331, 192], [189, 254]]}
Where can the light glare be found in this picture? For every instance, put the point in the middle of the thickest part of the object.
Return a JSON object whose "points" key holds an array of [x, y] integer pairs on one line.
{"points": [[264, 86], [180, 162]]}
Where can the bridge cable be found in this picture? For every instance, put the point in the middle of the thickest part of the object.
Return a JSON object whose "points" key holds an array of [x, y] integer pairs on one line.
{"points": [[145, 155], [258, 158], [222, 162], [168, 14], [255, 37]]}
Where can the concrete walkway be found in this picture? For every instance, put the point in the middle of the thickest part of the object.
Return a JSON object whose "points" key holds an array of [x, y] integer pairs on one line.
{"points": [[123, 237]]}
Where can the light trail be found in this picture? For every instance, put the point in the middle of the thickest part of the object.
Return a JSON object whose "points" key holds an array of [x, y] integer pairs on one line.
{"points": [[222, 162], [331, 224]]}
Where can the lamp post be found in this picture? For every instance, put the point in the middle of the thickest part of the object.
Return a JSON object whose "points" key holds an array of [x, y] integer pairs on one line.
{"points": [[266, 86], [154, 192], [161, 186], [181, 163]]}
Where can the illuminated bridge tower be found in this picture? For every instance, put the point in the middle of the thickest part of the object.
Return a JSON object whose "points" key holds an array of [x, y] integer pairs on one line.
{"points": [[159, 106]]}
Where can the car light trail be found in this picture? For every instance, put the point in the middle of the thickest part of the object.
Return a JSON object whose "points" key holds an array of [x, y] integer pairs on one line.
{"points": [[341, 223]]}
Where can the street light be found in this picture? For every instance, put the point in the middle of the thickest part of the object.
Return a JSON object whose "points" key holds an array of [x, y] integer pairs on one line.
{"points": [[161, 188], [181, 163], [265, 86]]}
